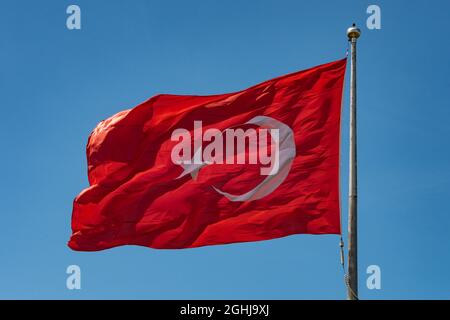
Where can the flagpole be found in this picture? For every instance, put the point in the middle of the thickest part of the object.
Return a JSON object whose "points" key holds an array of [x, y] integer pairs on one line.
{"points": [[353, 34]]}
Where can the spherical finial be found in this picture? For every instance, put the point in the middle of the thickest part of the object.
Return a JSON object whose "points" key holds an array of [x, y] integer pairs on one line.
{"points": [[353, 32]]}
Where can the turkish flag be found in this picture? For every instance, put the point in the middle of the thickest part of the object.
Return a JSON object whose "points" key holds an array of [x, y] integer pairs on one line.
{"points": [[140, 195]]}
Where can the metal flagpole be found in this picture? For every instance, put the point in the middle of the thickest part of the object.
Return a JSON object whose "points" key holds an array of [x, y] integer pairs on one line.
{"points": [[353, 34]]}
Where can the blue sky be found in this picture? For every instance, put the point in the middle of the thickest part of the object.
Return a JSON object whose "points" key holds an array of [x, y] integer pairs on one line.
{"points": [[56, 85]]}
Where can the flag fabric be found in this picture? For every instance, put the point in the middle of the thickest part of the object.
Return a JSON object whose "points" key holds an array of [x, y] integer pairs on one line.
{"points": [[140, 195]]}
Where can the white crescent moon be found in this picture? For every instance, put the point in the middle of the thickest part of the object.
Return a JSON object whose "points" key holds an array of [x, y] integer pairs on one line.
{"points": [[287, 152]]}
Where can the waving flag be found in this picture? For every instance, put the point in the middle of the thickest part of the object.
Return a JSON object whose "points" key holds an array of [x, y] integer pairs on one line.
{"points": [[189, 171]]}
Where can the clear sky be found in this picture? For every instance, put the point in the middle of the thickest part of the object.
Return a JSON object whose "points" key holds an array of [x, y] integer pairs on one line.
{"points": [[57, 84]]}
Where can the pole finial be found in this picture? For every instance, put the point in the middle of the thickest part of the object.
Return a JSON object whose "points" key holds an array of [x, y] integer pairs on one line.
{"points": [[353, 32]]}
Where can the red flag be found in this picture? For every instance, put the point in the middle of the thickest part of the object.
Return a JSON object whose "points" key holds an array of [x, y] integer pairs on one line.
{"points": [[166, 173]]}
